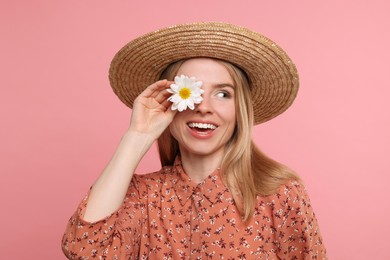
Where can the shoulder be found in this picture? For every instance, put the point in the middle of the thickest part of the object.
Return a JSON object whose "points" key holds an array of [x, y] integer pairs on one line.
{"points": [[289, 190], [292, 189], [291, 207], [291, 199], [293, 195]]}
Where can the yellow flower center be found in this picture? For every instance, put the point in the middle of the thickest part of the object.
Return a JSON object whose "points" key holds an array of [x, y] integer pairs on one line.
{"points": [[184, 93]]}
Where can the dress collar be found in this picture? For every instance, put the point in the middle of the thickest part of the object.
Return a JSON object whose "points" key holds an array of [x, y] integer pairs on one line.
{"points": [[212, 187]]}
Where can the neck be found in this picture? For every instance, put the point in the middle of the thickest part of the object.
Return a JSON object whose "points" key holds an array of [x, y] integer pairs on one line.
{"points": [[199, 167]]}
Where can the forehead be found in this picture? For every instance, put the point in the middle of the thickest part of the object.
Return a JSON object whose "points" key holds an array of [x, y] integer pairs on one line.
{"points": [[206, 69]]}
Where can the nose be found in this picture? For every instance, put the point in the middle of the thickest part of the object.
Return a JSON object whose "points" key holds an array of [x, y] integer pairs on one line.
{"points": [[205, 106]]}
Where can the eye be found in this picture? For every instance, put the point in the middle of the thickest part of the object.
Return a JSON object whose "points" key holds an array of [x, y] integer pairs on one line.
{"points": [[223, 94]]}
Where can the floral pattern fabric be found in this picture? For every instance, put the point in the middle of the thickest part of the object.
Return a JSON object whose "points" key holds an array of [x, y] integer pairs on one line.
{"points": [[167, 216]]}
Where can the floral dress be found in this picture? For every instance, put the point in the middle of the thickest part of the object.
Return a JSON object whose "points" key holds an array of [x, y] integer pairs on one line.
{"points": [[167, 216]]}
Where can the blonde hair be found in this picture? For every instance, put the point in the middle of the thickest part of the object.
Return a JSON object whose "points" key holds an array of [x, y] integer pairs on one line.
{"points": [[246, 172]]}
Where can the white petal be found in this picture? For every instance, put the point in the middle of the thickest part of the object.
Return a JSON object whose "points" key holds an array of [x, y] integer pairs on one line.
{"points": [[175, 87], [197, 100], [187, 82], [182, 106], [178, 79], [196, 93], [197, 84], [175, 98], [183, 79], [190, 103]]}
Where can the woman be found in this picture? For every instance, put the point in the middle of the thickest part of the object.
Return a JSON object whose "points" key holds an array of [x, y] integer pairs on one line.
{"points": [[217, 196]]}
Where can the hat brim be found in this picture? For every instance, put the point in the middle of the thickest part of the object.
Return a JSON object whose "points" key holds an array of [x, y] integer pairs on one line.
{"points": [[272, 75]]}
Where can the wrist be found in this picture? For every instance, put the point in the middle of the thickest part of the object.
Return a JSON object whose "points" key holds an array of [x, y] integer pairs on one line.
{"points": [[138, 138]]}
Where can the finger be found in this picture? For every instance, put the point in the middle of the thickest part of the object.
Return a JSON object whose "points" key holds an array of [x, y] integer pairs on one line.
{"points": [[151, 89], [162, 96], [171, 113], [154, 89], [167, 104]]}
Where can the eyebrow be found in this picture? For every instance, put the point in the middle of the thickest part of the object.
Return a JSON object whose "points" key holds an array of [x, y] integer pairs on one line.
{"points": [[223, 85]]}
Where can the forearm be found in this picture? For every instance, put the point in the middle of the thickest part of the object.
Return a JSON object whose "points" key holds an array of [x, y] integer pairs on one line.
{"points": [[109, 190]]}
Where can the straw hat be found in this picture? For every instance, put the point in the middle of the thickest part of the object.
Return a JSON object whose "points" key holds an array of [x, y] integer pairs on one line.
{"points": [[272, 75]]}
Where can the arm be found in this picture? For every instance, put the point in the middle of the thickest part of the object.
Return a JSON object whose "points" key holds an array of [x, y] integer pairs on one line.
{"points": [[107, 221], [151, 116]]}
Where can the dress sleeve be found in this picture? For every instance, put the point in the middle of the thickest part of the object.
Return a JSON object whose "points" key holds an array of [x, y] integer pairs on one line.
{"points": [[297, 230], [115, 237]]}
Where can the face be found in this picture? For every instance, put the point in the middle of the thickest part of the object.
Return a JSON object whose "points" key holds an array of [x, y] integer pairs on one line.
{"points": [[206, 130]]}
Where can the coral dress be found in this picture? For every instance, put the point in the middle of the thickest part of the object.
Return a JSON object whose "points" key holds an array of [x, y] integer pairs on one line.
{"points": [[167, 216]]}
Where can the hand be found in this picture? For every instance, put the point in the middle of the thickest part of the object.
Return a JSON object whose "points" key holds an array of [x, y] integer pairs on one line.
{"points": [[152, 112]]}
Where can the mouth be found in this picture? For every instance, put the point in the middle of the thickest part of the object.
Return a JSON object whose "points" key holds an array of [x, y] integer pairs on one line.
{"points": [[202, 126], [202, 130]]}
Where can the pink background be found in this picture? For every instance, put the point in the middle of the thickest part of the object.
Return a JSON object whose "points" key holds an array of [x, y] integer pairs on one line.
{"points": [[60, 121]]}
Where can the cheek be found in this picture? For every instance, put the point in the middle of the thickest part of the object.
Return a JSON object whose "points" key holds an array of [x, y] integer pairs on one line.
{"points": [[175, 129], [178, 124], [228, 113]]}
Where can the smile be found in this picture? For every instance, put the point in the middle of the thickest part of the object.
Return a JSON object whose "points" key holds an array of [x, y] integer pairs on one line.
{"points": [[202, 126]]}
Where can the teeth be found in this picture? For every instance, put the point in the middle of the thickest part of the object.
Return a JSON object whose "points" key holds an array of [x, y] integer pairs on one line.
{"points": [[202, 125]]}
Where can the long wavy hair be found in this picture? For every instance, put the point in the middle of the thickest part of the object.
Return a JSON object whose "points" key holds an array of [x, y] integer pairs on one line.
{"points": [[246, 172]]}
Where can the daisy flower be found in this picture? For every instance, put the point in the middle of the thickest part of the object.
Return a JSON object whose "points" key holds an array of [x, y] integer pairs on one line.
{"points": [[186, 92]]}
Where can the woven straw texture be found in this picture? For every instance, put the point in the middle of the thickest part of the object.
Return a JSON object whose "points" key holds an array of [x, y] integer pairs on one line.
{"points": [[273, 77]]}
